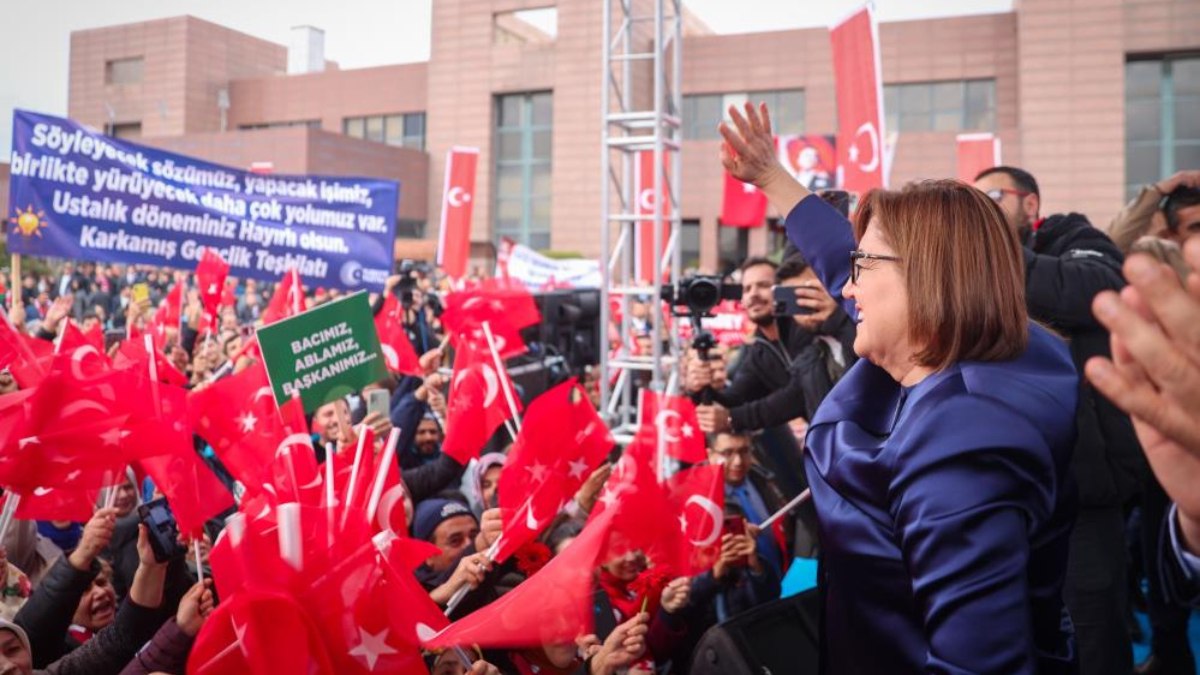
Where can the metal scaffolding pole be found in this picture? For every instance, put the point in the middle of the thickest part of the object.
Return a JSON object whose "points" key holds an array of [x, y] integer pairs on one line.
{"points": [[640, 104]]}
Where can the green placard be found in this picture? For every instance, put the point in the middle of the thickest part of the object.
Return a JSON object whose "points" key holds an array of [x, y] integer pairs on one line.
{"points": [[324, 353]]}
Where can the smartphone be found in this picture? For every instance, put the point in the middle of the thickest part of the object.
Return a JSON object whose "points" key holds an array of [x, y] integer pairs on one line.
{"points": [[140, 293], [164, 531], [737, 525], [786, 302], [112, 337], [379, 400]]}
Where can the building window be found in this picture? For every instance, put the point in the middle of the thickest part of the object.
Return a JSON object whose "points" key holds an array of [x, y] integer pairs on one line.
{"points": [[311, 124], [702, 112], [957, 105], [1162, 126], [123, 71], [126, 130], [402, 129], [524, 124], [689, 245], [734, 245], [410, 229]]}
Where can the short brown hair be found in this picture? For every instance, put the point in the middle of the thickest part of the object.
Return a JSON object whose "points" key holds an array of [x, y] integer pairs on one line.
{"points": [[963, 268]]}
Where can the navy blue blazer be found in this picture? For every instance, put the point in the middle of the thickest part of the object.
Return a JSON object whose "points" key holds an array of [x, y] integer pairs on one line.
{"points": [[944, 508]]}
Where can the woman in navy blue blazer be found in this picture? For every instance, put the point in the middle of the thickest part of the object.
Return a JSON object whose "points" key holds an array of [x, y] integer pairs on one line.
{"points": [[939, 463]]}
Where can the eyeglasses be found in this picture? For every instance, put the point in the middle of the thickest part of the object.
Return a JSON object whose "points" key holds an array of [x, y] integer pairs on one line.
{"points": [[998, 193], [729, 453], [856, 267]]}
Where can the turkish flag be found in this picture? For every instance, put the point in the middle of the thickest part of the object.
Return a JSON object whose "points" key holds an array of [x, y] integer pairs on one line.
{"points": [[562, 440], [553, 606], [743, 205], [505, 307], [698, 497], [674, 423], [398, 351], [631, 492], [648, 258], [476, 405], [26, 358], [85, 355], [191, 488], [287, 300], [859, 102], [258, 632], [170, 312], [210, 278], [976, 152], [371, 612], [131, 355], [458, 201], [59, 503], [238, 417]]}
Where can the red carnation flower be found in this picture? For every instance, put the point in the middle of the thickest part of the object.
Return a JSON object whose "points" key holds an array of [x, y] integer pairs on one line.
{"points": [[532, 557]]}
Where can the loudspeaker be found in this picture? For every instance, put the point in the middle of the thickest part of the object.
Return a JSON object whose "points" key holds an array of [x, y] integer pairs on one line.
{"points": [[570, 327], [778, 638]]}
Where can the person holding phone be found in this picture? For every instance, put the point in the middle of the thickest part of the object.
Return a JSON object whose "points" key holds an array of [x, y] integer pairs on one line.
{"points": [[940, 463]]}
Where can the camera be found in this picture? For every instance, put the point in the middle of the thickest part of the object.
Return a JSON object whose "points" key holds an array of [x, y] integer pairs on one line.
{"points": [[409, 271], [699, 294]]}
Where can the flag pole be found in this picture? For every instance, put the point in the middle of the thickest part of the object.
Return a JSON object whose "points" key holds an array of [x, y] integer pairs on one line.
{"points": [[148, 339], [502, 374], [15, 284], [199, 567], [804, 496], [6, 515], [389, 456], [330, 509], [353, 484]]}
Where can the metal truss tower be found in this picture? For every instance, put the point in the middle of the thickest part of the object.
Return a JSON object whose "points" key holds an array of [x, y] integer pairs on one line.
{"points": [[640, 104]]}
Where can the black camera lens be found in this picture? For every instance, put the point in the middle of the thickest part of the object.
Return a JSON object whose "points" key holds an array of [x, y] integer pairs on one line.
{"points": [[703, 294]]}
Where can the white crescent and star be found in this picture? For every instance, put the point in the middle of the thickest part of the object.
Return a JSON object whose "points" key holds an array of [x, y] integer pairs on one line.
{"points": [[389, 355], [646, 199], [714, 515], [457, 196], [387, 502], [578, 468], [77, 360], [371, 646], [873, 135], [661, 421]]}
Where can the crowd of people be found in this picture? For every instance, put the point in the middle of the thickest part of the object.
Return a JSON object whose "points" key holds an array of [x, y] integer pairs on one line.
{"points": [[978, 505]]}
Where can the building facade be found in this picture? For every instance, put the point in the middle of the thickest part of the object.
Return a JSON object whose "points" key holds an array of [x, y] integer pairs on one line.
{"points": [[1094, 99]]}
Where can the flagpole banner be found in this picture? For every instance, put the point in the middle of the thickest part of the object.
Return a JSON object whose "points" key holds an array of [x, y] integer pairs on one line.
{"points": [[78, 194], [539, 273], [458, 200], [324, 353], [859, 90]]}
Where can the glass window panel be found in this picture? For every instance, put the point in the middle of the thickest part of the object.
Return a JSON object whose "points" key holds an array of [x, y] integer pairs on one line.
{"points": [[1187, 120], [374, 129], [1143, 78], [1142, 120], [541, 180], [914, 98], [947, 121], [539, 240], [689, 243], [788, 114], [914, 121], [510, 110], [1142, 164], [541, 144], [891, 97], [948, 96], [509, 209], [727, 100], [509, 145], [984, 121], [706, 115], [355, 126], [509, 181], [1187, 156], [543, 110], [394, 126], [414, 124], [1185, 74], [980, 97], [541, 214], [891, 119], [124, 71]]}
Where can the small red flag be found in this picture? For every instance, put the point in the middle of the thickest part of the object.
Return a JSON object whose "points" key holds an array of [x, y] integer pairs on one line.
{"points": [[698, 497], [131, 355], [673, 421], [505, 307], [648, 258], [287, 300], [476, 405], [398, 351], [458, 201], [562, 440], [210, 278], [257, 632]]}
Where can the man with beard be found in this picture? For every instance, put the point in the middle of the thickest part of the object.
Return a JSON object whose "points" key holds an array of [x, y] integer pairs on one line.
{"points": [[1067, 263]]}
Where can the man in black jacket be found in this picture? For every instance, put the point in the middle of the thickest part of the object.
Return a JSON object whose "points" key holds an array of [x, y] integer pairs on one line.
{"points": [[1067, 262]]}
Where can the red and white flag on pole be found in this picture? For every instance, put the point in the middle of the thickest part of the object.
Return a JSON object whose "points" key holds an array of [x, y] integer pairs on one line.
{"points": [[458, 199], [743, 204], [647, 257], [857, 73], [976, 152]]}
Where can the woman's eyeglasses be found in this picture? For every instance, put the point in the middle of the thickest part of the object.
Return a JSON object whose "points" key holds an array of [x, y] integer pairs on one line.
{"points": [[856, 267]]}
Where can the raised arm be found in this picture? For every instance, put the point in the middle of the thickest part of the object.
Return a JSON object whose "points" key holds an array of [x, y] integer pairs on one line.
{"points": [[816, 228]]}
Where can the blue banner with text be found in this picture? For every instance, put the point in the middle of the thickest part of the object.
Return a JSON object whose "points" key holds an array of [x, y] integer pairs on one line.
{"points": [[78, 194]]}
